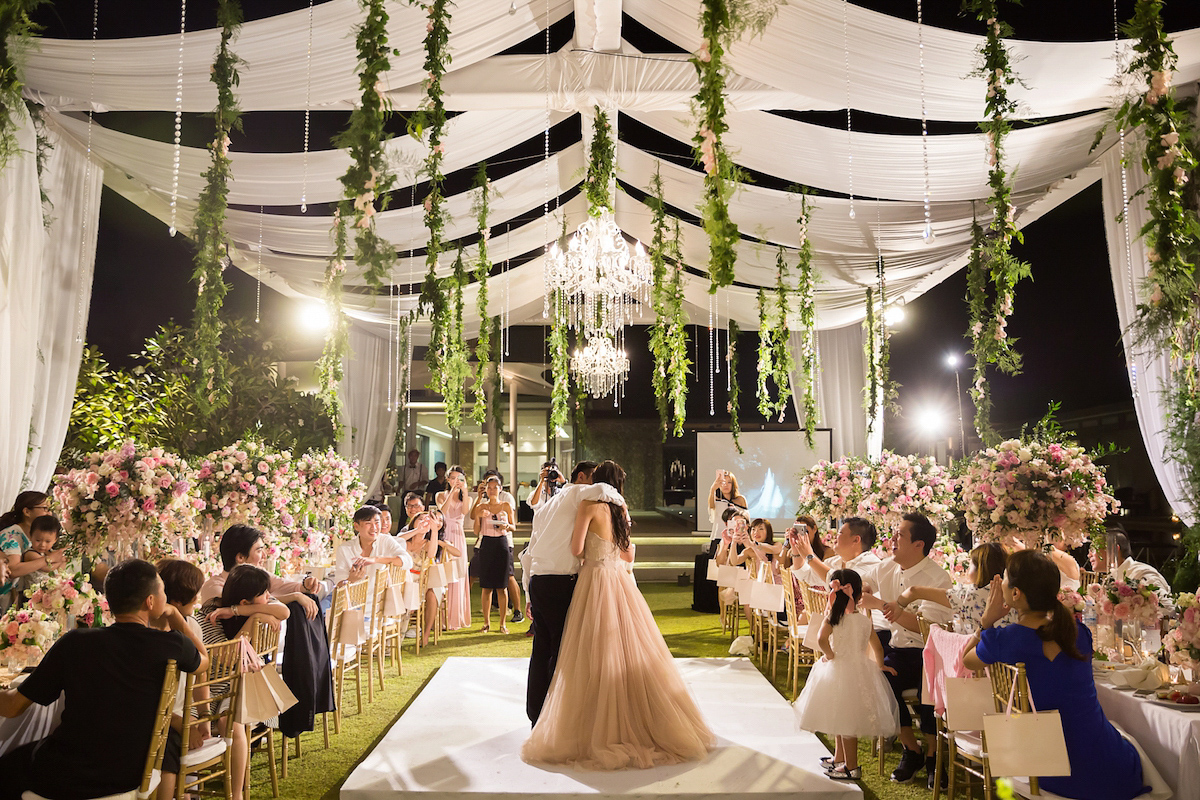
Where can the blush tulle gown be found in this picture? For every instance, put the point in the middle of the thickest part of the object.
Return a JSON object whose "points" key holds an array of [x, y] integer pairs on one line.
{"points": [[617, 700]]}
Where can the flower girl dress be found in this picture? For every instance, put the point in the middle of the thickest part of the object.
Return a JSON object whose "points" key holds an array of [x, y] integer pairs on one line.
{"points": [[848, 696]]}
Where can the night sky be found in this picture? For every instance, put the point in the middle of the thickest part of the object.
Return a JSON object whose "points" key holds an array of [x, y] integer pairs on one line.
{"points": [[1065, 317]]}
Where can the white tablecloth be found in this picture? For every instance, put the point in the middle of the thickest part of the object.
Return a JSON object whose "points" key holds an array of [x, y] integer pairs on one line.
{"points": [[1170, 738], [35, 723]]}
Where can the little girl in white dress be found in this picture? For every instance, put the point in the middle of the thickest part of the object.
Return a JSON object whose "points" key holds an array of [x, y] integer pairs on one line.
{"points": [[846, 695]]}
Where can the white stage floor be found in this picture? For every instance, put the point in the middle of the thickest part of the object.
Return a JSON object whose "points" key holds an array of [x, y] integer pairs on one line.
{"points": [[463, 733]]}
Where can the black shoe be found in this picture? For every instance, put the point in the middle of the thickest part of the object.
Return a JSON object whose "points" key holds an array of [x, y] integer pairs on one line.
{"points": [[931, 769], [910, 764], [518, 616]]}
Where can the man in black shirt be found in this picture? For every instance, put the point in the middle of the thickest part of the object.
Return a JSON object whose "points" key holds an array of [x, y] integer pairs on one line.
{"points": [[112, 679], [438, 484]]}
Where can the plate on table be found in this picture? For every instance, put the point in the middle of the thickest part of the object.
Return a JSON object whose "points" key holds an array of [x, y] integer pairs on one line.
{"points": [[1188, 707]]}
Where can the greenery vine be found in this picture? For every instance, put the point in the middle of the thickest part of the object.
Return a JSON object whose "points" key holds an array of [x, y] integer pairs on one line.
{"points": [[17, 34], [735, 391], [806, 308], [766, 353], [560, 362], [775, 354], [483, 268], [455, 368], [721, 176], [668, 333], [597, 184], [329, 365], [991, 305], [210, 238], [978, 314]]}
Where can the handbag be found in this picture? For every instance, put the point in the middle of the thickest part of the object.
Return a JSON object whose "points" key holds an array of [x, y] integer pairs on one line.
{"points": [[713, 569], [354, 629], [438, 577], [744, 584], [968, 700], [393, 601], [263, 695], [1025, 744], [766, 596], [728, 575]]}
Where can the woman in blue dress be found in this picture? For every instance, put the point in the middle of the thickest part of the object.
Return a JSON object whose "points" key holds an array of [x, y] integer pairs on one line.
{"points": [[1057, 653]]}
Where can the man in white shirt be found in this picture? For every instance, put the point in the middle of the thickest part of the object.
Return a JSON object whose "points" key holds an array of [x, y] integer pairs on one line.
{"points": [[551, 569], [414, 477], [852, 550], [1127, 569], [909, 566]]}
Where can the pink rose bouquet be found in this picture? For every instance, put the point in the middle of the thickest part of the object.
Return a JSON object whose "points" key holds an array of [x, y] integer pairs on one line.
{"points": [[248, 483], [332, 490], [834, 489], [904, 484], [73, 596], [949, 556], [27, 633], [1183, 642], [1072, 600], [1136, 601]]}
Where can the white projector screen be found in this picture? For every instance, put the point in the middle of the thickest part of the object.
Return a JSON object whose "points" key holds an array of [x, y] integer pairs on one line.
{"points": [[766, 472]]}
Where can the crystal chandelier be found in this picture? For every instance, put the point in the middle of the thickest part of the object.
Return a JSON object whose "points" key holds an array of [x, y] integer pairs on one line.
{"points": [[600, 367]]}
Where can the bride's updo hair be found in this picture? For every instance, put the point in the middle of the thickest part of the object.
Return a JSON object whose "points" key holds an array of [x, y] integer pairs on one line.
{"points": [[610, 472]]}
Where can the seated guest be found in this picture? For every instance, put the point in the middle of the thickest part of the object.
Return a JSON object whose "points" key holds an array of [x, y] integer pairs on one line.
{"points": [[368, 550], [242, 544], [245, 599], [968, 600], [15, 525], [385, 519], [1057, 652], [758, 552], [1127, 569], [909, 566], [43, 535], [112, 679], [851, 550], [181, 582], [805, 526], [413, 505]]}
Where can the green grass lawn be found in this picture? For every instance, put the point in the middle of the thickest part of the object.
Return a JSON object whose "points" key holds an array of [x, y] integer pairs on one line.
{"points": [[320, 773]]}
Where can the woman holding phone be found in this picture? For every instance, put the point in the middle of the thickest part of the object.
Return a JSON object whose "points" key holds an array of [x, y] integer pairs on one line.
{"points": [[494, 517], [722, 495]]}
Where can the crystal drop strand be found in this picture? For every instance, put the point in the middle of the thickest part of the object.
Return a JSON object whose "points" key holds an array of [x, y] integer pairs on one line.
{"points": [[927, 233], [258, 271], [82, 295], [712, 391], [391, 294], [545, 173], [849, 130], [724, 355], [178, 116], [717, 330], [1133, 376], [412, 279], [307, 111], [507, 289]]}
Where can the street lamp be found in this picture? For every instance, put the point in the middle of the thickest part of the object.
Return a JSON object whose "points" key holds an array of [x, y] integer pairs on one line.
{"points": [[931, 423], [952, 361]]}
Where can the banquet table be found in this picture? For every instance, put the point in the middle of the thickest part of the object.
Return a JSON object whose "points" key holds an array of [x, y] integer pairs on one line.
{"points": [[34, 723], [1171, 738]]}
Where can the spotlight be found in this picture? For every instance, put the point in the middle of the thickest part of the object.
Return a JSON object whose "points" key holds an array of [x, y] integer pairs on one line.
{"points": [[952, 361], [313, 318], [930, 421], [893, 315]]}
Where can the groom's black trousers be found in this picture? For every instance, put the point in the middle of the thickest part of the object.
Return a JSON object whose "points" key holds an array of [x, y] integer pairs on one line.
{"points": [[549, 598]]}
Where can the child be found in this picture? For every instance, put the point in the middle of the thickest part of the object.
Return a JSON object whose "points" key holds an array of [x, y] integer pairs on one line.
{"points": [[43, 535], [845, 694]]}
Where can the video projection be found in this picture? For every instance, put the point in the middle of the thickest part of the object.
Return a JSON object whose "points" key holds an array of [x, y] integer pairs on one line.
{"points": [[766, 472]]}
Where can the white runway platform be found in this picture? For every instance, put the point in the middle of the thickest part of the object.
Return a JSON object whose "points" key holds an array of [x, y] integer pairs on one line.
{"points": [[461, 737]]}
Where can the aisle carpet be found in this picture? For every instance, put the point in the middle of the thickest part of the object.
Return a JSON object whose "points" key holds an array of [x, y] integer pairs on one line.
{"points": [[320, 773]]}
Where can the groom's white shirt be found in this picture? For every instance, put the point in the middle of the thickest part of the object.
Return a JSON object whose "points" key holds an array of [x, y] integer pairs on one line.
{"points": [[549, 549]]}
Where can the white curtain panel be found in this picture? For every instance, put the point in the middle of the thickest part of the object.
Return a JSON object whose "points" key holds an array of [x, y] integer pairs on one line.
{"points": [[1127, 259], [841, 377], [369, 420], [67, 266]]}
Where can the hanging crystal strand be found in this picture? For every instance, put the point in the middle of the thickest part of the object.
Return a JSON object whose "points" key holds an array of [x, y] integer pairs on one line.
{"points": [[178, 115], [849, 130], [307, 111], [1133, 373], [927, 233], [712, 354], [549, 292], [258, 271], [507, 293], [717, 331], [724, 354], [391, 296], [82, 295]]}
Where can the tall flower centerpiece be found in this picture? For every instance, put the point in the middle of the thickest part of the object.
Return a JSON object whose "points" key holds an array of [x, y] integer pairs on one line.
{"points": [[332, 490], [1035, 491], [904, 484], [834, 489], [1183, 643], [26, 634], [127, 500], [248, 483], [1128, 601], [70, 596], [949, 556]]}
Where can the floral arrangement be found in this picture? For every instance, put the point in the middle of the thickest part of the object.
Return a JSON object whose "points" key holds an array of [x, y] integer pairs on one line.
{"points": [[27, 634], [834, 489], [1036, 491], [248, 483], [70, 595], [209, 563], [1072, 599], [900, 484], [123, 497], [210, 235], [1122, 600], [949, 556], [996, 270], [332, 490], [806, 307], [668, 334], [1183, 642], [304, 548]]}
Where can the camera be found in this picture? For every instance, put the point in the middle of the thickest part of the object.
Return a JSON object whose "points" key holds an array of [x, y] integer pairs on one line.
{"points": [[553, 475]]}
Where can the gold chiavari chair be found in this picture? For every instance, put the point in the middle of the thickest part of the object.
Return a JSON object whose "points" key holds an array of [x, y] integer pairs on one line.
{"points": [[797, 655], [265, 641], [376, 632], [394, 627], [1011, 679], [346, 655], [1086, 579], [214, 758], [766, 623]]}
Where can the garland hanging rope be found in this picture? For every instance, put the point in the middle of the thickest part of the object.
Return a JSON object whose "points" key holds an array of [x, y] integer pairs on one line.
{"points": [[774, 355], [483, 267], [1166, 320], [210, 238], [806, 308], [668, 333], [992, 253]]}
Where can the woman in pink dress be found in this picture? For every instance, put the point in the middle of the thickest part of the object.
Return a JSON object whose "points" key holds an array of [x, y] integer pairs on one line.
{"points": [[455, 504], [617, 700]]}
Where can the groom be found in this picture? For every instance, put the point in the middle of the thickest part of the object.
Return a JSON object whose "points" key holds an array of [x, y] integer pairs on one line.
{"points": [[549, 569]]}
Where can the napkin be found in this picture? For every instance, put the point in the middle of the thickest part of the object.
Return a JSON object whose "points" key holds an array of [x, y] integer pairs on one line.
{"points": [[1150, 674]]}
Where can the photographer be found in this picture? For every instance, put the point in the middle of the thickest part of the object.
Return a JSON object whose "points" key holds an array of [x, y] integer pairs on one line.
{"points": [[550, 480]]}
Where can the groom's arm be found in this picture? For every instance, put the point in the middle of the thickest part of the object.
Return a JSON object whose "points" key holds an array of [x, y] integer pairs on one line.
{"points": [[601, 493]]}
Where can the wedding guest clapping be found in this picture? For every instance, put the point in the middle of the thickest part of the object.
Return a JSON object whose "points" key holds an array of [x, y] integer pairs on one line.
{"points": [[968, 600]]}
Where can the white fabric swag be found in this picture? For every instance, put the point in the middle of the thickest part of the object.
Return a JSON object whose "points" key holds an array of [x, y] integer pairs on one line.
{"points": [[45, 286], [840, 380], [1127, 259], [369, 418]]}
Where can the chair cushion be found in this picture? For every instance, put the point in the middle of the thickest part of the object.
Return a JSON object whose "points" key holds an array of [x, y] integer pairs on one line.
{"points": [[911, 696], [969, 743], [132, 794], [206, 752]]}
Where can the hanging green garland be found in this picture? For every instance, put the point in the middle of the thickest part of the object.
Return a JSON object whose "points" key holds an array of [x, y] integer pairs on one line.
{"points": [[668, 333], [455, 368], [597, 183], [329, 365], [880, 392], [766, 353], [560, 362], [806, 308], [17, 34], [211, 241], [977, 308], [1167, 319], [483, 268], [990, 342], [497, 387], [775, 360], [735, 391]]}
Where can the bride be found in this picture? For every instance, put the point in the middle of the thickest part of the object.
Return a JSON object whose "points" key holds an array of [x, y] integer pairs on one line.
{"points": [[616, 701]]}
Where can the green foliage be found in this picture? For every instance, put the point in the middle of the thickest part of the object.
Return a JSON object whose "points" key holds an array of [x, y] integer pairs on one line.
{"points": [[668, 333], [483, 267], [597, 185], [881, 391], [735, 392], [44, 148], [17, 34], [211, 241], [560, 394], [774, 354], [154, 402], [455, 367], [806, 307], [720, 174], [329, 366]]}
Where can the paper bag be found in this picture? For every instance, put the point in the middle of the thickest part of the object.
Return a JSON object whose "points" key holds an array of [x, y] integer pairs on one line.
{"points": [[743, 586], [1026, 744], [766, 596], [264, 696], [967, 701], [713, 569], [393, 601], [727, 575], [354, 629], [438, 577]]}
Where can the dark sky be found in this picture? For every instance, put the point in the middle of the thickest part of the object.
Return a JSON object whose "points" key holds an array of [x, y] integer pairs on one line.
{"points": [[1065, 317]]}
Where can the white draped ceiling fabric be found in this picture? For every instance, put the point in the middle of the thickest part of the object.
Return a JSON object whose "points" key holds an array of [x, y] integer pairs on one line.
{"points": [[799, 64]]}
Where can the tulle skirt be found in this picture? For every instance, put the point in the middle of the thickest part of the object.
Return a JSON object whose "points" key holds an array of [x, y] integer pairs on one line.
{"points": [[617, 700], [847, 697]]}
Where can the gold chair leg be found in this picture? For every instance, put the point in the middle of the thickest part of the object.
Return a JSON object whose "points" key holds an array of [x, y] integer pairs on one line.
{"points": [[339, 678], [880, 743], [284, 754], [270, 764], [938, 761], [369, 649], [358, 685], [325, 725]]}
